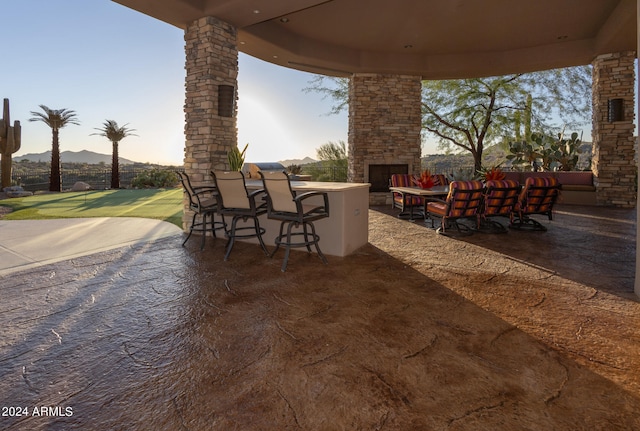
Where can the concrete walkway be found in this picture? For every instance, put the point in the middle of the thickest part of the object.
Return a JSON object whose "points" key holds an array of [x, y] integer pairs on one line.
{"points": [[26, 244]]}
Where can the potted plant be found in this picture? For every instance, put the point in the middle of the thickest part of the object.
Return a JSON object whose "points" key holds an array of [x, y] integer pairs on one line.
{"points": [[493, 174], [236, 158], [424, 180]]}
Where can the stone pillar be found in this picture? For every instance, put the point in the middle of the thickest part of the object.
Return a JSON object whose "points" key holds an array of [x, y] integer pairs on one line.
{"points": [[614, 164], [385, 123], [211, 69]]}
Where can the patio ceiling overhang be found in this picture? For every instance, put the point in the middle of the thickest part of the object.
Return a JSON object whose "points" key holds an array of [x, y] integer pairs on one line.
{"points": [[432, 38]]}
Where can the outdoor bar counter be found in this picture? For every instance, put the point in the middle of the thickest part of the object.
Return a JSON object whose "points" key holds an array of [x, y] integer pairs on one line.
{"points": [[347, 227]]}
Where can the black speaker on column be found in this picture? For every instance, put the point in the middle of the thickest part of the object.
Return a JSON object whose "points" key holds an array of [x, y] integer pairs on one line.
{"points": [[226, 100], [616, 110]]}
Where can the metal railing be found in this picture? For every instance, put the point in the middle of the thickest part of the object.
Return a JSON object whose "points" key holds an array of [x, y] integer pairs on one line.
{"points": [[100, 178], [325, 173], [97, 178]]}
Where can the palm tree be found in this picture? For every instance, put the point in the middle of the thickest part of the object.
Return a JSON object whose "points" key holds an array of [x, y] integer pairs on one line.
{"points": [[56, 119], [115, 134]]}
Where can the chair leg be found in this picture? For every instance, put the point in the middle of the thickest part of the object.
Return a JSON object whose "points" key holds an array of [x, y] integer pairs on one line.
{"points": [[213, 225], [306, 237], [489, 225], [204, 230], [217, 225], [193, 221], [428, 216], [316, 240], [231, 237], [287, 248], [224, 224], [449, 223], [443, 226], [259, 235], [526, 222], [212, 222], [278, 239], [286, 240]]}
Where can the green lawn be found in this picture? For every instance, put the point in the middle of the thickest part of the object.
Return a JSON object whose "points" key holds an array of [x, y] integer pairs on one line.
{"points": [[161, 204]]}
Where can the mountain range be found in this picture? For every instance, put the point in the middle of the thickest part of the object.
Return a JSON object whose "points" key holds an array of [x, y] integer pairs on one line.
{"points": [[300, 162], [93, 158], [83, 156]]}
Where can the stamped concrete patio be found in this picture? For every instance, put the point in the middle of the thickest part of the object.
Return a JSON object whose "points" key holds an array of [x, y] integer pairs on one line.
{"points": [[415, 331]]}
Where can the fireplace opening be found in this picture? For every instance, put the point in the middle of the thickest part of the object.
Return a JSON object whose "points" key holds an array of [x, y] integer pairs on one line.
{"points": [[379, 175]]}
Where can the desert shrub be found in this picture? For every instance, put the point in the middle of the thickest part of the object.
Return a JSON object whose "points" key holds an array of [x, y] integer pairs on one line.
{"points": [[294, 169], [327, 171], [155, 178]]}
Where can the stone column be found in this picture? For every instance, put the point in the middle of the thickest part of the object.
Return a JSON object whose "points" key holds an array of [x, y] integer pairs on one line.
{"points": [[614, 164], [385, 123], [211, 69]]}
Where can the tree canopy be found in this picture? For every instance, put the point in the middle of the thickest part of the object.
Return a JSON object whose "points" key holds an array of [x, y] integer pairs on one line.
{"points": [[115, 134], [56, 119], [473, 113], [331, 87], [332, 151], [333, 162], [470, 114]]}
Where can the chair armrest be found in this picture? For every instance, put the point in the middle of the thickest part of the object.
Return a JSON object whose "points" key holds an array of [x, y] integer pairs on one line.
{"points": [[442, 201], [203, 192], [255, 193], [306, 195], [301, 197], [204, 189]]}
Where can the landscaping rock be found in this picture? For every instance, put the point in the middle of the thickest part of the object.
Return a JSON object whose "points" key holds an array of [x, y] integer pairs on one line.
{"points": [[80, 187], [16, 192]]}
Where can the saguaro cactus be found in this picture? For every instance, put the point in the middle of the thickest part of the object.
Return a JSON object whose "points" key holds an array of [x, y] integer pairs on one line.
{"points": [[10, 139]]}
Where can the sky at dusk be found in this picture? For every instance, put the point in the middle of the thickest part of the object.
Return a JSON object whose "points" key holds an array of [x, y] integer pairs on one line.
{"points": [[107, 62]]}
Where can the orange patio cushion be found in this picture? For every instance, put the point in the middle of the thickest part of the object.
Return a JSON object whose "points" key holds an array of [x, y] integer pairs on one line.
{"points": [[537, 200], [501, 196], [468, 205], [439, 180], [405, 180]]}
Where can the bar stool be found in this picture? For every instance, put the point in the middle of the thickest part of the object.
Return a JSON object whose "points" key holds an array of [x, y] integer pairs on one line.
{"points": [[293, 211]]}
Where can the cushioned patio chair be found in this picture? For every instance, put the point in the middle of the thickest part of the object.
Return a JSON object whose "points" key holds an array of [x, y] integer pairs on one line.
{"points": [[407, 204], [203, 203], [235, 201], [294, 211], [500, 196], [440, 180], [462, 202], [538, 196]]}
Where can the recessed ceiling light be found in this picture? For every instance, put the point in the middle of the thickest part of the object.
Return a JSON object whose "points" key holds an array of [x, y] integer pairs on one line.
{"points": [[275, 56], [284, 19], [256, 11]]}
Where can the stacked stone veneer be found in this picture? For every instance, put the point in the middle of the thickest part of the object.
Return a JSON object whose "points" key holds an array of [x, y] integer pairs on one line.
{"points": [[211, 60], [614, 164], [384, 125]]}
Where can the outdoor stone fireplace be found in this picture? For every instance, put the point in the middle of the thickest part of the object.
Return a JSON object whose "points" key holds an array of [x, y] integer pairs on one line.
{"points": [[379, 176], [384, 130]]}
